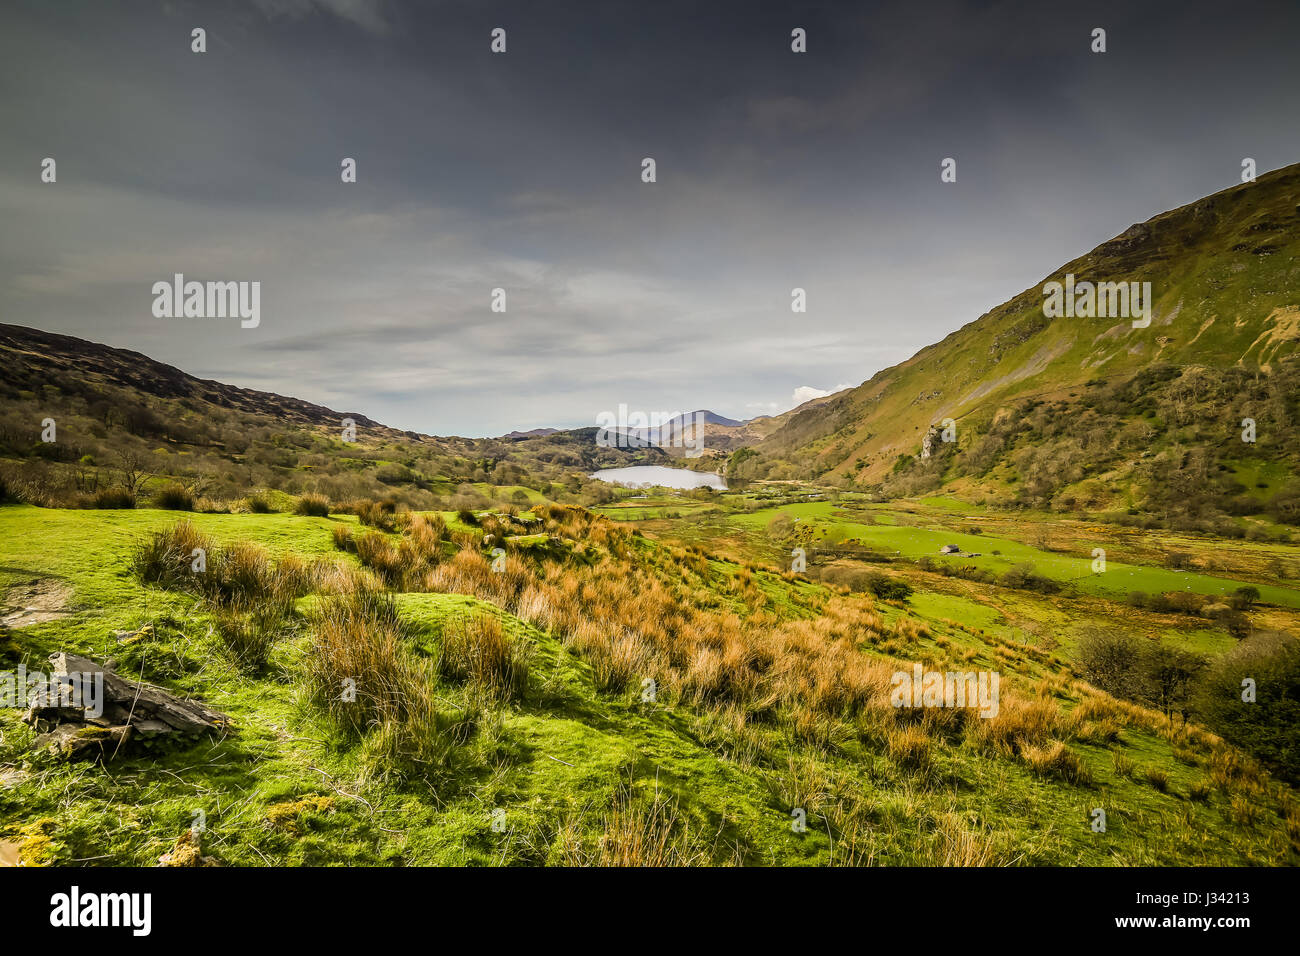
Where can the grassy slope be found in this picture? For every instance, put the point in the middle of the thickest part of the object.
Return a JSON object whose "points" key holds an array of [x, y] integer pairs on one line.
{"points": [[553, 763], [1223, 277]]}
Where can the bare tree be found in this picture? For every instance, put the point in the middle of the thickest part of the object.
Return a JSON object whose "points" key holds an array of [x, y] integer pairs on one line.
{"points": [[133, 467]]}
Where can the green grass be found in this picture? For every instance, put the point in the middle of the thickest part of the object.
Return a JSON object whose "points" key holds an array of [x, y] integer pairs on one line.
{"points": [[912, 542], [556, 760]]}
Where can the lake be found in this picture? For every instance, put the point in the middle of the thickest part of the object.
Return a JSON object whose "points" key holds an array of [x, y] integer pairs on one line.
{"points": [[642, 476]]}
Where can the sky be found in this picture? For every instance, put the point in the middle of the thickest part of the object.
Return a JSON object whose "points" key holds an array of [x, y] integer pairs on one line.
{"points": [[522, 171]]}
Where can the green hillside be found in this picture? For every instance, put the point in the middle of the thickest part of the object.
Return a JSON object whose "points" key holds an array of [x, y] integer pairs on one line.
{"points": [[1095, 397]]}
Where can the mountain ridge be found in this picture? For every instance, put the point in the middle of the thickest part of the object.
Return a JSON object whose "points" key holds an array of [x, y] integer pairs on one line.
{"points": [[1227, 251]]}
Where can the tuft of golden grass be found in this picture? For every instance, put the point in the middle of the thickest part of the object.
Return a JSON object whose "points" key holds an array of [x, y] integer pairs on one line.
{"points": [[640, 831], [1055, 759], [1019, 724], [1122, 765], [909, 746], [957, 844], [312, 504], [343, 538], [476, 650]]}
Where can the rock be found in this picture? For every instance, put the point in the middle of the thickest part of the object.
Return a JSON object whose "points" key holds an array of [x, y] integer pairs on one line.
{"points": [[84, 741], [130, 710], [927, 443], [187, 852], [130, 637]]}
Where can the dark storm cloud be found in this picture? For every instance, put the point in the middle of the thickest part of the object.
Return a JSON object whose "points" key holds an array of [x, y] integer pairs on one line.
{"points": [[521, 171]]}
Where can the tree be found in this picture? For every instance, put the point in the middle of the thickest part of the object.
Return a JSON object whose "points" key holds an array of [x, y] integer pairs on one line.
{"points": [[1109, 661], [134, 470], [1167, 674], [1244, 598], [1265, 669]]}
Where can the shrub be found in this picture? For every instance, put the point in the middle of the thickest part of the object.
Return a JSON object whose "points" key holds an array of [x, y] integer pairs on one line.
{"points": [[1265, 728], [1109, 660], [175, 497], [1244, 598], [780, 527], [313, 505], [258, 504], [889, 589], [113, 498]]}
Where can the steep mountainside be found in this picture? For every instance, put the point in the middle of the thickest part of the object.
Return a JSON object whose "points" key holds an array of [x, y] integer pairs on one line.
{"points": [[1225, 294]]}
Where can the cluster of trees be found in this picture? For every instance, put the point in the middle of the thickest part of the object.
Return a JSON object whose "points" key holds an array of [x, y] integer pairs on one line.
{"points": [[1153, 673], [1229, 612], [1249, 696]]}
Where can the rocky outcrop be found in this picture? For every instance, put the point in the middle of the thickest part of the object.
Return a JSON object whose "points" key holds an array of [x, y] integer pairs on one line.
{"points": [[927, 443], [117, 714]]}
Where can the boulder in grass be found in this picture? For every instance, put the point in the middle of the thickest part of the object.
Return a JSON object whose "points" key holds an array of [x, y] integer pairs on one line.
{"points": [[114, 715]]}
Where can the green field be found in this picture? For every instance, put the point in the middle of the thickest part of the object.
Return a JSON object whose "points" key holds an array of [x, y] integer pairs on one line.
{"points": [[912, 542], [558, 765]]}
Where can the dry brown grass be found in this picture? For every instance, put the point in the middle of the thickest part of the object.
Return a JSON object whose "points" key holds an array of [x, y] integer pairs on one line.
{"points": [[636, 831], [663, 613], [1055, 759], [313, 505], [477, 650], [909, 746], [957, 844], [1019, 723]]}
